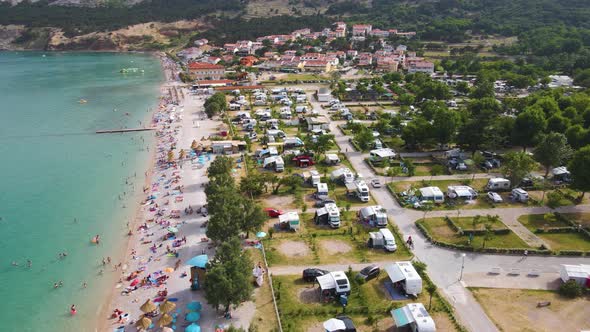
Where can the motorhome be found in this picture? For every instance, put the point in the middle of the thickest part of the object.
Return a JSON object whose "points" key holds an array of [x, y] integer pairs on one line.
{"points": [[321, 190], [329, 214], [360, 189], [497, 184], [264, 153], [373, 215], [415, 316], [383, 239]]}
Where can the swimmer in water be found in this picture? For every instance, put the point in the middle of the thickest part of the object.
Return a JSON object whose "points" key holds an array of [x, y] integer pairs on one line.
{"points": [[14, 263]]}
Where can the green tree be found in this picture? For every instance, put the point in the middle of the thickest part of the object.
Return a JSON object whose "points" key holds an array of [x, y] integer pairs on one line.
{"points": [[222, 223], [253, 185], [445, 125], [252, 218], [321, 144], [571, 289], [221, 165], [229, 278], [364, 138], [215, 104], [431, 289], [488, 234], [580, 171], [410, 167], [516, 166], [552, 151], [528, 127]]}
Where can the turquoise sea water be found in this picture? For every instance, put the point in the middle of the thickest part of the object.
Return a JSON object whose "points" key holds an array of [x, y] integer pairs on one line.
{"points": [[60, 182]]}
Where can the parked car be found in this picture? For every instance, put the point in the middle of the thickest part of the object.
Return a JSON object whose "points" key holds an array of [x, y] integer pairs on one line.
{"points": [[494, 197], [252, 135], [322, 202], [312, 273], [368, 273], [376, 183], [273, 213]]}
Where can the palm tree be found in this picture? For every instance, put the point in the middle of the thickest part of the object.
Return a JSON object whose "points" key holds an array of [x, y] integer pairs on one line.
{"points": [[181, 154], [170, 156], [488, 235]]}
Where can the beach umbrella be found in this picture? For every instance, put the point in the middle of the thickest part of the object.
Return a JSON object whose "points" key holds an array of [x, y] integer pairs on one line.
{"points": [[165, 320], [194, 306], [193, 328], [334, 324], [166, 329], [198, 261], [148, 306], [260, 234], [172, 229], [192, 316], [167, 306], [144, 323]]}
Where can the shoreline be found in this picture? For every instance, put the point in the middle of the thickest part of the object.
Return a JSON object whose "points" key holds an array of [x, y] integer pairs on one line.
{"points": [[138, 215]]}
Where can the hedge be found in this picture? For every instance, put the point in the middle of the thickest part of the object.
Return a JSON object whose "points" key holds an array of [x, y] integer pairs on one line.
{"points": [[567, 220], [453, 226], [489, 250]]}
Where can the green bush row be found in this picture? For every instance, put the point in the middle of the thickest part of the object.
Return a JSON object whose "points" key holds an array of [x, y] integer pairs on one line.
{"points": [[573, 224], [456, 228]]}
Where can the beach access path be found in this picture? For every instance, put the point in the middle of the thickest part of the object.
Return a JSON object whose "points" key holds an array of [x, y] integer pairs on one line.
{"points": [[190, 124]]}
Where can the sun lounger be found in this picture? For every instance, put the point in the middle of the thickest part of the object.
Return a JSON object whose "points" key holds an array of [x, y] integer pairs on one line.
{"points": [[495, 270], [514, 272], [534, 273]]}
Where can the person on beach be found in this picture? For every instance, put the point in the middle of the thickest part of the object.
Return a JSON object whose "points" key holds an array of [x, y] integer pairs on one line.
{"points": [[55, 285], [73, 310]]}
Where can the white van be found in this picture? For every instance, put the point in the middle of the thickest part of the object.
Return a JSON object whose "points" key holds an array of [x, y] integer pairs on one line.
{"points": [[388, 240], [519, 195]]}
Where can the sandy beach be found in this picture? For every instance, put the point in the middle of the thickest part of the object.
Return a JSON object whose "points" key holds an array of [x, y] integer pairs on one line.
{"points": [[173, 194]]}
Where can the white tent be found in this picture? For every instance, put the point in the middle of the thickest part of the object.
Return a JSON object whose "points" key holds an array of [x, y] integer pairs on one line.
{"points": [[334, 324]]}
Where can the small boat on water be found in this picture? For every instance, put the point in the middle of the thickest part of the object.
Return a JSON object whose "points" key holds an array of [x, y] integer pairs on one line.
{"points": [[82, 101], [131, 70]]}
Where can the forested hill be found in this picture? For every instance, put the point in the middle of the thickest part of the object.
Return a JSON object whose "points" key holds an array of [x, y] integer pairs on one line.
{"points": [[447, 20]]}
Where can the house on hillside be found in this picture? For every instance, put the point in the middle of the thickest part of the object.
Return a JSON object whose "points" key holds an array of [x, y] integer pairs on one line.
{"points": [[206, 71]]}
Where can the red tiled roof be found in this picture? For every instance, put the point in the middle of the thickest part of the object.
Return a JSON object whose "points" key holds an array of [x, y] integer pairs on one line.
{"points": [[239, 87], [215, 82], [201, 65]]}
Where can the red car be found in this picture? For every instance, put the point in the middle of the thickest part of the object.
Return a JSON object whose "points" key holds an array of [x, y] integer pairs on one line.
{"points": [[273, 213]]}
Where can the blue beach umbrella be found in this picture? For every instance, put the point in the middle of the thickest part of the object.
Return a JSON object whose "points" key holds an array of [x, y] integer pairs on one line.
{"points": [[198, 261], [194, 306], [192, 316], [193, 328], [261, 234]]}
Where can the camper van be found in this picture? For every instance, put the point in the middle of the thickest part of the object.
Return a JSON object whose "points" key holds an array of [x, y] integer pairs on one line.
{"points": [[321, 190], [373, 215], [329, 214], [498, 184], [362, 190], [433, 194], [382, 240]]}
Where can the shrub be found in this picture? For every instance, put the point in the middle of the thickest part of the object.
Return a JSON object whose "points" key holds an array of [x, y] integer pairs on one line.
{"points": [[570, 289]]}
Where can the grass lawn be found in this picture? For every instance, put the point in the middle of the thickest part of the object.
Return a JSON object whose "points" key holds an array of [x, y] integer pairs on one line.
{"points": [[320, 244], [534, 221], [368, 305], [557, 241], [467, 223], [265, 318], [516, 310], [582, 218], [566, 241], [302, 77], [440, 231]]}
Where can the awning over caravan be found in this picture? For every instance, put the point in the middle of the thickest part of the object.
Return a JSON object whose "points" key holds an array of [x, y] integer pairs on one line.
{"points": [[402, 316], [394, 272], [326, 282]]}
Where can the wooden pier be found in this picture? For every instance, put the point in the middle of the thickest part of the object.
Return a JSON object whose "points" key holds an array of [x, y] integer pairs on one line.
{"points": [[126, 130]]}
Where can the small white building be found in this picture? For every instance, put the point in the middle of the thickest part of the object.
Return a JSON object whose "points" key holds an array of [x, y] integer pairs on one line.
{"points": [[414, 315], [579, 273], [432, 194], [379, 155], [403, 272], [324, 95]]}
